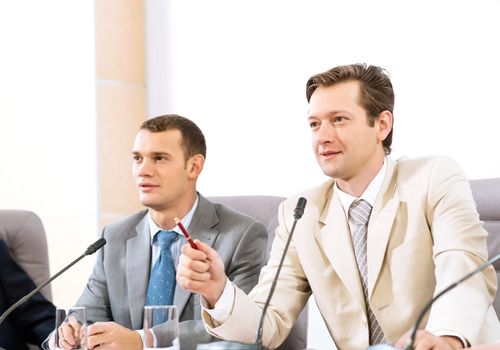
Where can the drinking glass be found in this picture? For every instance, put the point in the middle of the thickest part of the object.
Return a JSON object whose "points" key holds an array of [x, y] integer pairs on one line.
{"points": [[161, 327], [71, 329]]}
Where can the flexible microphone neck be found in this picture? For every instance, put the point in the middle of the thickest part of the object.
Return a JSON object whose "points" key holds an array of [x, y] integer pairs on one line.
{"points": [[298, 212], [480, 268], [89, 251]]}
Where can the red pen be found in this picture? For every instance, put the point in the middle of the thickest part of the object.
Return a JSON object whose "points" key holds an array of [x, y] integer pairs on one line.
{"points": [[186, 234]]}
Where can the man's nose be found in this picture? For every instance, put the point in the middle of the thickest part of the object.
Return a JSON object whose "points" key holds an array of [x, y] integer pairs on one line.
{"points": [[145, 168], [326, 133]]}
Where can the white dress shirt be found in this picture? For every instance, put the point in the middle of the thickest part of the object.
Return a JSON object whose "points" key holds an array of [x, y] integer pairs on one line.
{"points": [[176, 246]]}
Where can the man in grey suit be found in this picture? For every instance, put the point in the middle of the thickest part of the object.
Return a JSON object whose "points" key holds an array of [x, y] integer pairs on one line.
{"points": [[169, 154]]}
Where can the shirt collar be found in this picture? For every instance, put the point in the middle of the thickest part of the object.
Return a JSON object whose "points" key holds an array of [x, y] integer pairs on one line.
{"points": [[186, 220], [369, 195]]}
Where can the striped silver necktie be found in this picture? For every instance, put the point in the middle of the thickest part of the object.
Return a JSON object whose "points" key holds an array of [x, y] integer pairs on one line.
{"points": [[359, 214]]}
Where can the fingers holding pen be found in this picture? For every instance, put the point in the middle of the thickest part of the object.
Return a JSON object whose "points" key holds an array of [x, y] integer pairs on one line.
{"points": [[201, 271], [193, 268]]}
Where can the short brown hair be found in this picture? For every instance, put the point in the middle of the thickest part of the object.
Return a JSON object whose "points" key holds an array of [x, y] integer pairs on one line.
{"points": [[376, 93], [193, 140]]}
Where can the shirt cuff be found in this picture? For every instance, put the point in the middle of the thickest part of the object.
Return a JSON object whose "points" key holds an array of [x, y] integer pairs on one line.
{"points": [[141, 333], [223, 307], [445, 332]]}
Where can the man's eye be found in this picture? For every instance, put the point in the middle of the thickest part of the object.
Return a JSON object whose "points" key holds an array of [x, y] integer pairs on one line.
{"points": [[137, 158], [338, 119], [313, 124], [160, 158]]}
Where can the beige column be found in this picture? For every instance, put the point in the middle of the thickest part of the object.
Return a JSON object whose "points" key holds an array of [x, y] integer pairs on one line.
{"points": [[121, 103]]}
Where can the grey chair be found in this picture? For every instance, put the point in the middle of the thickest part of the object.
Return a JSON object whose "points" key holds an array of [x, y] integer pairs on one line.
{"points": [[265, 209], [24, 235], [486, 193]]}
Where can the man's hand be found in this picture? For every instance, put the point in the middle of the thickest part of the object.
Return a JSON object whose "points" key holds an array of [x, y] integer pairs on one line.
{"points": [[110, 335], [201, 271], [427, 341], [70, 334]]}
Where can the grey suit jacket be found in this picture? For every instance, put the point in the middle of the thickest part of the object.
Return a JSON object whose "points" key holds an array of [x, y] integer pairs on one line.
{"points": [[116, 290]]}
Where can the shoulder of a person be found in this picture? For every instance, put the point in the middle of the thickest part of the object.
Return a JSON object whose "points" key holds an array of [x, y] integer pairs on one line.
{"points": [[317, 195], [4, 253], [126, 224], [413, 166]]}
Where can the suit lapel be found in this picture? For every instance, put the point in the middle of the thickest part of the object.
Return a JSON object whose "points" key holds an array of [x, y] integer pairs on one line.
{"points": [[335, 239], [380, 225], [202, 227], [138, 258]]}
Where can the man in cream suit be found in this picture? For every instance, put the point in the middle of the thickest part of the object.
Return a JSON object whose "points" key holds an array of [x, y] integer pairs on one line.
{"points": [[169, 154], [375, 243]]}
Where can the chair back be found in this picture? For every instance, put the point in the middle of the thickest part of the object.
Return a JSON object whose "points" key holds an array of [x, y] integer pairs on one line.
{"points": [[24, 234], [486, 193]]}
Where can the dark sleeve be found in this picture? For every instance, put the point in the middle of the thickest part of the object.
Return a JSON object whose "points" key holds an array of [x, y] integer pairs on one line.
{"points": [[34, 319]]}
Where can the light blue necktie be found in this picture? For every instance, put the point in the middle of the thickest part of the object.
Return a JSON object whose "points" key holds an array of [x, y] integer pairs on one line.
{"points": [[161, 286]]}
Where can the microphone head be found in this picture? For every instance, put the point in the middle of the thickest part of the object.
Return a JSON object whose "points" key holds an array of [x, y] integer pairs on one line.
{"points": [[299, 209], [94, 247]]}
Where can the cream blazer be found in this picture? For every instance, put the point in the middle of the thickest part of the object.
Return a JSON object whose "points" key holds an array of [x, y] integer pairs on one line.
{"points": [[424, 233]]}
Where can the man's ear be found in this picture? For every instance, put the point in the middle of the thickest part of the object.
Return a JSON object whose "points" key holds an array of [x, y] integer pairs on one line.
{"points": [[194, 166], [384, 124]]}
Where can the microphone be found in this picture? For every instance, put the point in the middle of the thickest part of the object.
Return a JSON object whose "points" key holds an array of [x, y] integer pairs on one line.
{"points": [[94, 247], [411, 340], [230, 345], [89, 251]]}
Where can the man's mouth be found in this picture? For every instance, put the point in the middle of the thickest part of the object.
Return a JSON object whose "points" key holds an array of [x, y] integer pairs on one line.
{"points": [[146, 186], [327, 154]]}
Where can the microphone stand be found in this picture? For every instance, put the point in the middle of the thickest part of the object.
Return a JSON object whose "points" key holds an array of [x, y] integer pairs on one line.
{"points": [[232, 345], [89, 251]]}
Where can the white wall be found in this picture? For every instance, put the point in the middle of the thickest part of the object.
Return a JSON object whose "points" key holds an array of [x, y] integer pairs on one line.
{"points": [[238, 69], [47, 127]]}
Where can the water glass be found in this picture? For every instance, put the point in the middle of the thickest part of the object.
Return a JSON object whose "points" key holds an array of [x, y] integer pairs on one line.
{"points": [[161, 327]]}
